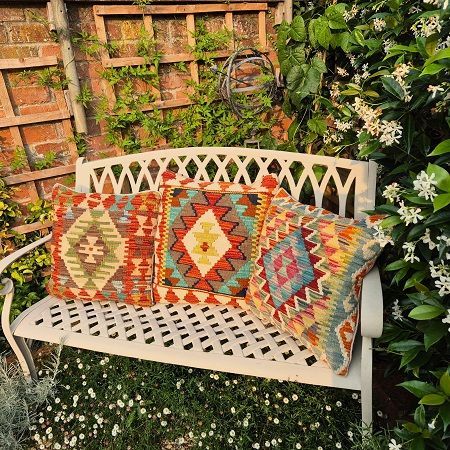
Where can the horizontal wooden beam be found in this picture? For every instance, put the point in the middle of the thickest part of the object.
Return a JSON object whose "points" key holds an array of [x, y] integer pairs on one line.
{"points": [[111, 10], [30, 227], [25, 63], [39, 174], [179, 57], [28, 119]]}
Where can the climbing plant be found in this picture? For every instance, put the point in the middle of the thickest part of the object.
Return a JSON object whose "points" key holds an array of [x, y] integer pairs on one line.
{"points": [[371, 80]]}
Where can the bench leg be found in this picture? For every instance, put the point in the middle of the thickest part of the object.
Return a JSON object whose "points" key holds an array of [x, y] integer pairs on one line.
{"points": [[30, 370], [366, 384], [18, 344]]}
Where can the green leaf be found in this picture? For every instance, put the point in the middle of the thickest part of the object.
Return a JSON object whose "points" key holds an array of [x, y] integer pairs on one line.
{"points": [[418, 388], [419, 416], [444, 412], [358, 36], [294, 78], [441, 54], [404, 346], [322, 32], [343, 40], [298, 55], [441, 201], [396, 265], [418, 443], [411, 427], [442, 148], [312, 32], [441, 176], [318, 126], [335, 16], [426, 312], [390, 222], [433, 399], [369, 149], [298, 30], [433, 331], [444, 383], [393, 87], [409, 355], [432, 69], [283, 34], [318, 64], [311, 82]]}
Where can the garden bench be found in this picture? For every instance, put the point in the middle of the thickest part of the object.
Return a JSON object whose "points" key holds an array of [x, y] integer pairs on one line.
{"points": [[209, 337]]}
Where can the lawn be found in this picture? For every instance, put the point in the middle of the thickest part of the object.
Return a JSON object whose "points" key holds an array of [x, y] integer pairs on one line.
{"points": [[110, 402]]}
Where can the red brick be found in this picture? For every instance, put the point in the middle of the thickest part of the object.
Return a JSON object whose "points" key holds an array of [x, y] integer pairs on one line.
{"points": [[88, 70], [29, 95], [170, 35], [81, 18], [19, 51], [24, 194], [59, 147], [123, 29], [11, 14], [39, 108], [31, 134], [6, 139], [28, 32], [51, 50], [3, 35]]}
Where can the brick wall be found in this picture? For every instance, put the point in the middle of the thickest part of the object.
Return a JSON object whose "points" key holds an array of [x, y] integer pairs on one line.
{"points": [[25, 33]]}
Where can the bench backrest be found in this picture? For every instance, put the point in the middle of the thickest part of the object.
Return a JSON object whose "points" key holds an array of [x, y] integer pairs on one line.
{"points": [[352, 181]]}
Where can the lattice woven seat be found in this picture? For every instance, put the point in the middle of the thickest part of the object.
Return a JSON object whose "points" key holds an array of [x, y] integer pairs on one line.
{"points": [[191, 332]]}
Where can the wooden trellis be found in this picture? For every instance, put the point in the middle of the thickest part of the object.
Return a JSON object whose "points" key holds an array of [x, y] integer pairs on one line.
{"points": [[15, 122], [189, 11]]}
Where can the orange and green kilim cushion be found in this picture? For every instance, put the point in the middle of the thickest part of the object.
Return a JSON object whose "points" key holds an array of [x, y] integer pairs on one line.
{"points": [[207, 239], [103, 246], [308, 275]]}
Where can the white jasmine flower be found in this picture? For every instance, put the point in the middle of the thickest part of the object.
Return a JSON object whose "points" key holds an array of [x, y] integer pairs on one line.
{"points": [[409, 214], [343, 126], [410, 247], [393, 445], [379, 24], [425, 184], [443, 284], [388, 43], [435, 90], [397, 311], [390, 132], [381, 237], [426, 26], [341, 72], [446, 319], [350, 14], [426, 239], [392, 192]]}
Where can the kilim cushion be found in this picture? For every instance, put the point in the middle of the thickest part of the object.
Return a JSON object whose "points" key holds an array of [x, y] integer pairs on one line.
{"points": [[103, 246], [308, 275], [207, 239]]}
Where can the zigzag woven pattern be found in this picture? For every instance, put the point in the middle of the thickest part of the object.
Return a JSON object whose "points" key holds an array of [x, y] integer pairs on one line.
{"points": [[103, 245], [308, 276], [207, 239]]}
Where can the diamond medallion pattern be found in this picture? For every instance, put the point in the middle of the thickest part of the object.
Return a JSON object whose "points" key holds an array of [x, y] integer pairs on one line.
{"points": [[308, 276], [103, 245], [207, 239]]}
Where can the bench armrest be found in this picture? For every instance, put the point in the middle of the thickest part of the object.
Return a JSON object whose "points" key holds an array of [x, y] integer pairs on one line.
{"points": [[372, 305], [6, 262]]}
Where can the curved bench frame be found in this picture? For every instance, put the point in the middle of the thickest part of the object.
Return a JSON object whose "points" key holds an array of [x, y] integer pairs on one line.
{"points": [[210, 337]]}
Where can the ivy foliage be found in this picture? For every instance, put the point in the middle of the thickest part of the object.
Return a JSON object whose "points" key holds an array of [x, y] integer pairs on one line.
{"points": [[133, 124], [371, 80]]}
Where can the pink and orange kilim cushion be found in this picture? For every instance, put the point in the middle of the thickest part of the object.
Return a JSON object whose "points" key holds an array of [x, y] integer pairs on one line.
{"points": [[308, 276], [103, 246], [207, 239]]}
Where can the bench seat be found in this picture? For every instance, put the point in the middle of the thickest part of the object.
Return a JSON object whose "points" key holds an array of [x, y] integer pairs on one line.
{"points": [[209, 337]]}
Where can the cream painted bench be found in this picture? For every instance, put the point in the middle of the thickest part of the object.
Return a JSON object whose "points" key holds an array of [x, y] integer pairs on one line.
{"points": [[209, 337]]}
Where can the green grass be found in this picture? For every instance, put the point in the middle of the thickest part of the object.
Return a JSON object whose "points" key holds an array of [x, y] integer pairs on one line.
{"points": [[154, 406]]}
